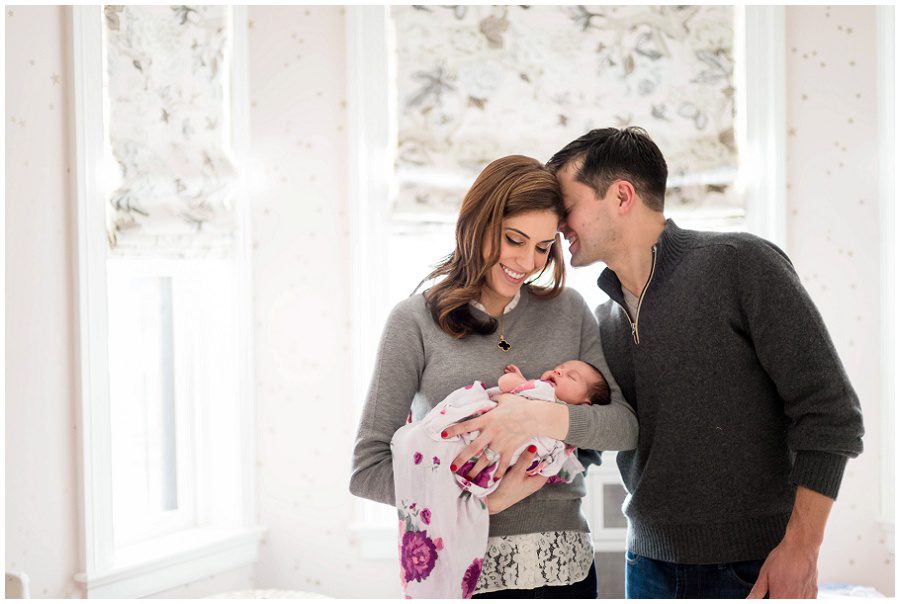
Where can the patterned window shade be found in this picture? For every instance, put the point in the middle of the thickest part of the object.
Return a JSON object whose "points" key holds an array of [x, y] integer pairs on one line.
{"points": [[475, 83], [167, 109]]}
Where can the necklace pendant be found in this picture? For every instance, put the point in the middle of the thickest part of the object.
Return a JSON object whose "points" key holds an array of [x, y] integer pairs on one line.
{"points": [[504, 345]]}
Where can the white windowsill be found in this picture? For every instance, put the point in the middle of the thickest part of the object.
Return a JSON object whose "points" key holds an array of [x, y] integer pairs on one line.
{"points": [[173, 560]]}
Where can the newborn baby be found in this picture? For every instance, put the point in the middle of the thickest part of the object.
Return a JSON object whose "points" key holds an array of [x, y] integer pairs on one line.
{"points": [[575, 382], [443, 517]]}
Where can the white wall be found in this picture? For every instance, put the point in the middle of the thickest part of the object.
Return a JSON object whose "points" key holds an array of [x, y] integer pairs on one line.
{"points": [[302, 292], [833, 240], [302, 268], [41, 386]]}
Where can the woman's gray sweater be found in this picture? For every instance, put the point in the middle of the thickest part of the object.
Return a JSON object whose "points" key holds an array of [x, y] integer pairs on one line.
{"points": [[419, 365]]}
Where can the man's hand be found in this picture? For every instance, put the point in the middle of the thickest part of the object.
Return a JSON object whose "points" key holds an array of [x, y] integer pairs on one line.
{"points": [[790, 570]]}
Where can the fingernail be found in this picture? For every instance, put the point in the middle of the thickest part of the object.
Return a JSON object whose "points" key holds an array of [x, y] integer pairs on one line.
{"points": [[453, 467], [444, 434], [532, 449]]}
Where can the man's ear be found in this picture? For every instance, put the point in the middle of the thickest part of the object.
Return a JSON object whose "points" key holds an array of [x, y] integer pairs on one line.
{"points": [[625, 195]]}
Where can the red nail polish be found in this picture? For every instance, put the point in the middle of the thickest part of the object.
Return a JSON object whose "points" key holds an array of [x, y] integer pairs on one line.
{"points": [[532, 449], [453, 467], [444, 434]]}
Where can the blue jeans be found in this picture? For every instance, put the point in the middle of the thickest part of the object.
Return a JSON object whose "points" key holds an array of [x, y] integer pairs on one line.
{"points": [[648, 578], [586, 588]]}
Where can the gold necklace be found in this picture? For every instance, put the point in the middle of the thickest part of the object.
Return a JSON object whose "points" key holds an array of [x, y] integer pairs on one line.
{"points": [[503, 344]]}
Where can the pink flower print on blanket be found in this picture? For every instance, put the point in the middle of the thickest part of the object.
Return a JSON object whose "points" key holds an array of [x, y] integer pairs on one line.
{"points": [[417, 555], [418, 551], [470, 579], [484, 477], [563, 476]]}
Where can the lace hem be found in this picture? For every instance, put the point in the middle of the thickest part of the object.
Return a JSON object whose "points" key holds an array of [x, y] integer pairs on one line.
{"points": [[536, 560]]}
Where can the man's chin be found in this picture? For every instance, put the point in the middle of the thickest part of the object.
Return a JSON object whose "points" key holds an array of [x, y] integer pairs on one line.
{"points": [[579, 261]]}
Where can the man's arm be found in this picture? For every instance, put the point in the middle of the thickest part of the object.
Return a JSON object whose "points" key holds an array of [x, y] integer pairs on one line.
{"points": [[793, 345], [795, 349], [790, 570]]}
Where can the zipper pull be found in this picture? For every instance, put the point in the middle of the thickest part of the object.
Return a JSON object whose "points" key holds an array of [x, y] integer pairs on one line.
{"points": [[634, 333]]}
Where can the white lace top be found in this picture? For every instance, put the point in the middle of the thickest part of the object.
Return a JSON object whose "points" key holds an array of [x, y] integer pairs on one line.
{"points": [[536, 560]]}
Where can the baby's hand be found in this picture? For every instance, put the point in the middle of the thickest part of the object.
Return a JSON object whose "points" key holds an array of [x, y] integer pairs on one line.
{"points": [[510, 379]]}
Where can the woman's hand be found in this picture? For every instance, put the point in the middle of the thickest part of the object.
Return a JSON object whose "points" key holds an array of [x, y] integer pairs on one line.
{"points": [[503, 429], [517, 485]]}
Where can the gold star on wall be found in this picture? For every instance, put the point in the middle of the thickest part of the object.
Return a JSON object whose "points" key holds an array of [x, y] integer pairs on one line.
{"points": [[55, 78]]}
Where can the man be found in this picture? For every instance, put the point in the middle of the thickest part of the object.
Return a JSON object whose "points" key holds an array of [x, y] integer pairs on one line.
{"points": [[747, 417]]}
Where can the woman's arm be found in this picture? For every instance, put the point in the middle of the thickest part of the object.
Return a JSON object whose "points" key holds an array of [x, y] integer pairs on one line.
{"points": [[395, 381], [516, 420]]}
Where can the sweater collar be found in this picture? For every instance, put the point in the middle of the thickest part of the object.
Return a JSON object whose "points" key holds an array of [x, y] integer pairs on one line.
{"points": [[512, 310], [671, 246]]}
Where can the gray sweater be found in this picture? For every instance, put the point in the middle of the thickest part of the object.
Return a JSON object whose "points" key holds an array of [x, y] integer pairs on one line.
{"points": [[419, 364], [740, 397]]}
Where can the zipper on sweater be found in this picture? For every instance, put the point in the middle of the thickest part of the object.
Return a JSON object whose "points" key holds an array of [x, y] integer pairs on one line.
{"points": [[637, 314]]}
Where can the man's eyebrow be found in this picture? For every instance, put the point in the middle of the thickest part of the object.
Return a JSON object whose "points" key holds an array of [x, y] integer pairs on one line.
{"points": [[529, 238]]}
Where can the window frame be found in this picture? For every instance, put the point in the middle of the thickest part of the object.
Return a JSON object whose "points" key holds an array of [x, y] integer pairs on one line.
{"points": [[219, 542], [760, 51]]}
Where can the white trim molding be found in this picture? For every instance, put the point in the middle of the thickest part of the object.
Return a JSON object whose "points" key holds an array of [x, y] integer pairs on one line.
{"points": [[94, 427], [760, 67], [370, 134], [174, 560], [221, 535]]}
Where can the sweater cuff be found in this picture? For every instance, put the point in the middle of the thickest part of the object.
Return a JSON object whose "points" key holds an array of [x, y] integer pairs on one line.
{"points": [[819, 471], [579, 425]]}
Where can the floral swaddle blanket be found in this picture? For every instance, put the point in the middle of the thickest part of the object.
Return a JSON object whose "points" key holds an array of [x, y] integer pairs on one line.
{"points": [[444, 521]]}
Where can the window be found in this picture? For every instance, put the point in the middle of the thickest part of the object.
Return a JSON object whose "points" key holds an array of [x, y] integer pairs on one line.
{"points": [[167, 416], [438, 92]]}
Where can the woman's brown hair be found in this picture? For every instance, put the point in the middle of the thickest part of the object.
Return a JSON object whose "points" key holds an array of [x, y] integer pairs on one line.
{"points": [[506, 187]]}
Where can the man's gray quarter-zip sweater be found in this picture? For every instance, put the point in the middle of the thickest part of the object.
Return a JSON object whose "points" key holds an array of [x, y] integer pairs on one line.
{"points": [[739, 392]]}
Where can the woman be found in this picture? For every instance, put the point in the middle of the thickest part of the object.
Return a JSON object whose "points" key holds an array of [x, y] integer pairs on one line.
{"points": [[471, 325]]}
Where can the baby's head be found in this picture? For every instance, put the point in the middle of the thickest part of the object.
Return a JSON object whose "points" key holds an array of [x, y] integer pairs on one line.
{"points": [[578, 383]]}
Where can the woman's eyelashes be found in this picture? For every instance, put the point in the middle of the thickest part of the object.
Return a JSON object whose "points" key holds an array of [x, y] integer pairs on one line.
{"points": [[541, 250]]}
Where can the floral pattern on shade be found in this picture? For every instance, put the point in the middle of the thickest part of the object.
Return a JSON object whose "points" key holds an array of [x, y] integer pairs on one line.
{"points": [[475, 83], [166, 84]]}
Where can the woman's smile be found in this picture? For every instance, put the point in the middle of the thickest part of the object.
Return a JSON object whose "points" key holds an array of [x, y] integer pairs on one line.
{"points": [[512, 276]]}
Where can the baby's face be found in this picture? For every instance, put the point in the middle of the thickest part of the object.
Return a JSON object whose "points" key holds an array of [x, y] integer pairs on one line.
{"points": [[573, 381]]}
